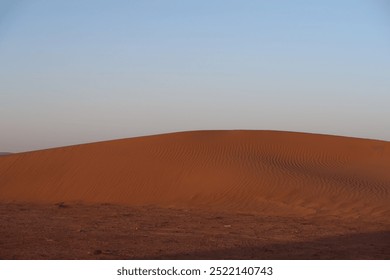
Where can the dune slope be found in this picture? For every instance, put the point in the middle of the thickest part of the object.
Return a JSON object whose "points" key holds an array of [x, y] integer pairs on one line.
{"points": [[280, 173]]}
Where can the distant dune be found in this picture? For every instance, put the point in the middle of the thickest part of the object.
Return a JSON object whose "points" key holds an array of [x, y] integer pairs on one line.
{"points": [[4, 154], [268, 172]]}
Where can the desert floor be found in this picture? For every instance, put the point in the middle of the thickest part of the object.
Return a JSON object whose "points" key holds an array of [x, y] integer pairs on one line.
{"points": [[105, 231]]}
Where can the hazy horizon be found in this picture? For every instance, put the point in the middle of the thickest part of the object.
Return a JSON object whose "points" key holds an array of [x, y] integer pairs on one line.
{"points": [[74, 72]]}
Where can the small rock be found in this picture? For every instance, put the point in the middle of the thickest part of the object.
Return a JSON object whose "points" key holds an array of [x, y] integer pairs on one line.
{"points": [[61, 205]]}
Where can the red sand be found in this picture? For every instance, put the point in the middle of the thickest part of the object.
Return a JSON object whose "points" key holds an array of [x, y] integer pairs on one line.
{"points": [[256, 171], [263, 173]]}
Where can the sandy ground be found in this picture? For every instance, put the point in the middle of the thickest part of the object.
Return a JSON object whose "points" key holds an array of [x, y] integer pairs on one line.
{"points": [[203, 194], [104, 231]]}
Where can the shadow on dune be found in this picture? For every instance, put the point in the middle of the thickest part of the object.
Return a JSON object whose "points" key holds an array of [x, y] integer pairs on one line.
{"points": [[374, 245]]}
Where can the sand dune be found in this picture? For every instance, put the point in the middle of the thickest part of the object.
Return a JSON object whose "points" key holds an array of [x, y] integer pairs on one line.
{"points": [[275, 173]]}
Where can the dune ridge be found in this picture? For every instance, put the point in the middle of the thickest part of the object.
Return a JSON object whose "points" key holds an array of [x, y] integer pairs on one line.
{"points": [[269, 172]]}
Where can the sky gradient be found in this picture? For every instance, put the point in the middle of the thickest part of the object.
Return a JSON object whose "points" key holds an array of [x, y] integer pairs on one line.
{"points": [[84, 71]]}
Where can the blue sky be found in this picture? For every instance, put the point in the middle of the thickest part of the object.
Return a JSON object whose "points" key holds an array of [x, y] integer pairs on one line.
{"points": [[83, 71]]}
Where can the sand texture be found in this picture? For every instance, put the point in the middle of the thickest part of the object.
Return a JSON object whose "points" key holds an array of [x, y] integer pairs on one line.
{"points": [[257, 173]]}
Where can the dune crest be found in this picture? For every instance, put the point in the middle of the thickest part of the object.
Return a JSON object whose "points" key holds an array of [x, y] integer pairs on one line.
{"points": [[275, 173]]}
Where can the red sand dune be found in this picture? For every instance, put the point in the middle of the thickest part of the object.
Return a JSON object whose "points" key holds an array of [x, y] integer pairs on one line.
{"points": [[268, 172]]}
